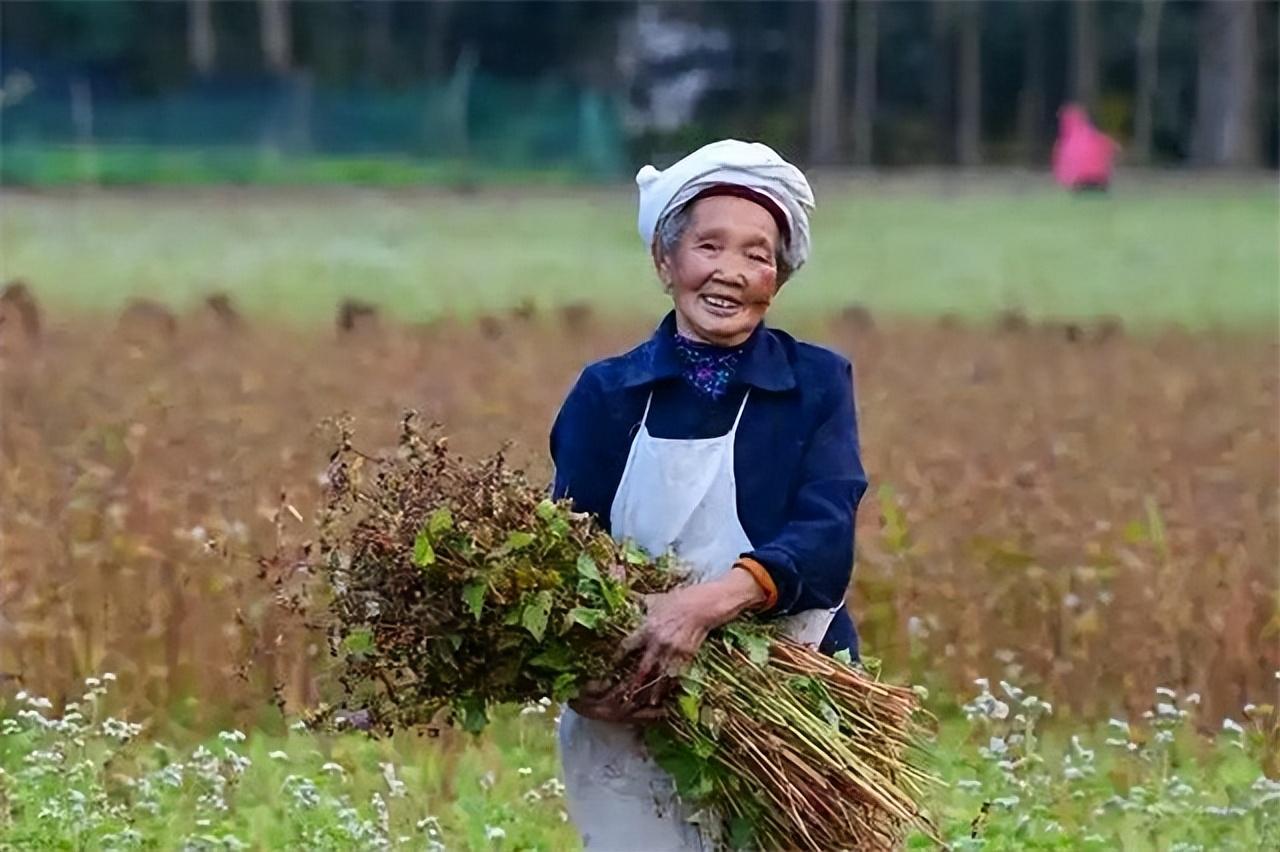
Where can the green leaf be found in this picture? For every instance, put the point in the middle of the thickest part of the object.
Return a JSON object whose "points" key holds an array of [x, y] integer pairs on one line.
{"points": [[358, 642], [586, 616], [683, 764], [689, 706], [518, 540], [633, 553], [741, 833], [615, 593], [474, 716], [756, 644], [587, 567], [757, 647], [473, 596], [843, 656], [535, 614], [423, 553], [565, 687], [547, 510], [557, 658], [441, 521], [455, 640]]}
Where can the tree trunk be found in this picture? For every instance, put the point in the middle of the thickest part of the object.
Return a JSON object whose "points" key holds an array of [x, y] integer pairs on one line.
{"points": [[202, 46], [1084, 54], [1031, 99], [377, 41], [1226, 129], [864, 83], [824, 125], [1148, 75], [277, 47], [437, 38], [940, 84], [969, 123]]}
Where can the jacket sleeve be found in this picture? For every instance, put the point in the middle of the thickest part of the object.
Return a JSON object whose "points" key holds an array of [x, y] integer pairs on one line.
{"points": [[811, 558], [579, 451]]}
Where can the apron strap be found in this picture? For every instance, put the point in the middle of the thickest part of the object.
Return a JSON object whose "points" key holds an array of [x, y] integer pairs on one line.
{"points": [[644, 420], [741, 409]]}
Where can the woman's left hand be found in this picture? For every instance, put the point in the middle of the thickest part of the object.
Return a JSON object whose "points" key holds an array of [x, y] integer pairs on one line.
{"points": [[677, 622]]}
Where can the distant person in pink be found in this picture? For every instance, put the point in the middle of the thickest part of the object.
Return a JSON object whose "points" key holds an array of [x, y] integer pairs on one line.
{"points": [[1082, 154]]}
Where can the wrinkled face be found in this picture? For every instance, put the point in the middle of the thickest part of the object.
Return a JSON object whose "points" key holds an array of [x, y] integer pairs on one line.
{"points": [[722, 274]]}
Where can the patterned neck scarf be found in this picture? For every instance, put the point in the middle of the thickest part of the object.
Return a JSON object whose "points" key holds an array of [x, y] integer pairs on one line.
{"points": [[707, 367]]}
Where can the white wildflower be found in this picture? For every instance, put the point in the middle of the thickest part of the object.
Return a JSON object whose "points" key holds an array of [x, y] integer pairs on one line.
{"points": [[1233, 726], [278, 755], [239, 763], [395, 787], [494, 832]]}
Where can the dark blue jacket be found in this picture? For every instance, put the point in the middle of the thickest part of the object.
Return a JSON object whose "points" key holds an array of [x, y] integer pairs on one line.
{"points": [[799, 475]]}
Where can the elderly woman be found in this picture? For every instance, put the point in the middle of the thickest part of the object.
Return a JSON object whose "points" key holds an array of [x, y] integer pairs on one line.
{"points": [[726, 442]]}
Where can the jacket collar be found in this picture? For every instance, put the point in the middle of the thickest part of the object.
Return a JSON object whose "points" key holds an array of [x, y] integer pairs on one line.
{"points": [[764, 364]]}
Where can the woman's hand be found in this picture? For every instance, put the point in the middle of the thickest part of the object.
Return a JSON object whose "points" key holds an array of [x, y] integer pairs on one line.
{"points": [[675, 625], [607, 702]]}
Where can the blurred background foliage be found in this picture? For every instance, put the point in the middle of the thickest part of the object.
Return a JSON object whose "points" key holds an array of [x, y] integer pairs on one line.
{"points": [[411, 91]]}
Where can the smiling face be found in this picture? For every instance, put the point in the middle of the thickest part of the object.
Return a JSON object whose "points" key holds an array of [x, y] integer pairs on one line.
{"points": [[722, 273]]}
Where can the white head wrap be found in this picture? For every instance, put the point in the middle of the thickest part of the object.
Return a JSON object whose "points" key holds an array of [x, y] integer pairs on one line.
{"points": [[750, 164]]}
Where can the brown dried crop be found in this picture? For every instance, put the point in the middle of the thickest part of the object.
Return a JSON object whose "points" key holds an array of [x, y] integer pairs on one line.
{"points": [[1098, 515], [449, 586]]}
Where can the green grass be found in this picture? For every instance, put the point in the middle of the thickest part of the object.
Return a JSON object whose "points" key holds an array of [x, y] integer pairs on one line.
{"points": [[71, 781], [1183, 251], [142, 165]]}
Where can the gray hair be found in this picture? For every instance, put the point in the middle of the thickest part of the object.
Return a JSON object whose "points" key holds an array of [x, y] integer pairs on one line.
{"points": [[672, 226]]}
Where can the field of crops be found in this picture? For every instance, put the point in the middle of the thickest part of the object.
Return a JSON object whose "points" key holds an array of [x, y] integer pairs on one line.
{"points": [[1084, 509]]}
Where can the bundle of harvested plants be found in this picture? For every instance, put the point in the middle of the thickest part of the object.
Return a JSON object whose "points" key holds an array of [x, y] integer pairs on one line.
{"points": [[455, 585]]}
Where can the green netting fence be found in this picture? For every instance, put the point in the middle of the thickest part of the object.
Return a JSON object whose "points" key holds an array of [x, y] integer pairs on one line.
{"points": [[293, 130]]}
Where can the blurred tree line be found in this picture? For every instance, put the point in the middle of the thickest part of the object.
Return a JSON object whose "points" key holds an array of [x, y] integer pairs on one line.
{"points": [[866, 82]]}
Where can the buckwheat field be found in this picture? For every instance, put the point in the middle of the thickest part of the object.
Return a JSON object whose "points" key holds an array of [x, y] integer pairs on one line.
{"points": [[1069, 545]]}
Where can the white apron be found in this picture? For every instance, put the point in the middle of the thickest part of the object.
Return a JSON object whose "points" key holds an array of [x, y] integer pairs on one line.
{"points": [[678, 495]]}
